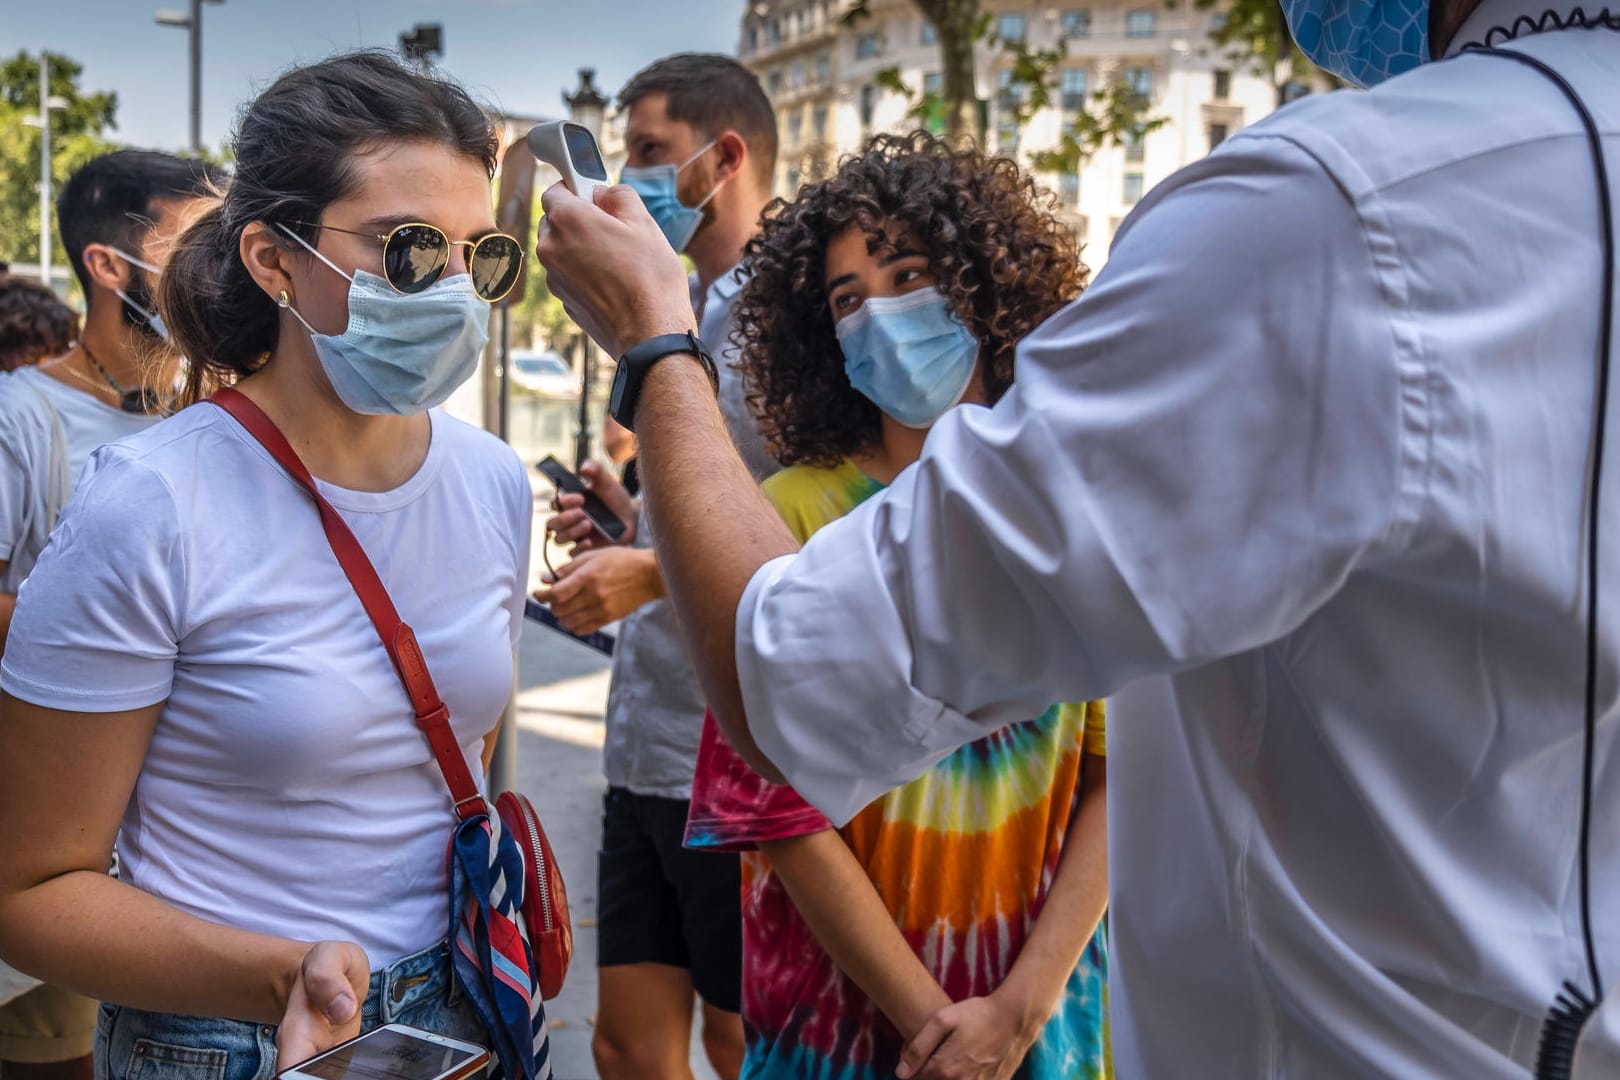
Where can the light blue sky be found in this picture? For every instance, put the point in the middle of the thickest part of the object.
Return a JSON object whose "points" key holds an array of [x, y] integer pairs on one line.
{"points": [[516, 55]]}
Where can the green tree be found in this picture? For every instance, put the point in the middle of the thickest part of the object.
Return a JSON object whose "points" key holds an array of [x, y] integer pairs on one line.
{"points": [[1116, 116], [77, 135], [959, 25], [1255, 33]]}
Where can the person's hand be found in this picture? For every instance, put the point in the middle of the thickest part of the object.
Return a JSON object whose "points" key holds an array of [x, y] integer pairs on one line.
{"points": [[571, 526], [323, 1008], [611, 267], [597, 587], [982, 1038]]}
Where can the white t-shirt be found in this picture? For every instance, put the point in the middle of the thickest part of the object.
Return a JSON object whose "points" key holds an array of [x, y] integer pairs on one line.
{"points": [[25, 456], [287, 788]]}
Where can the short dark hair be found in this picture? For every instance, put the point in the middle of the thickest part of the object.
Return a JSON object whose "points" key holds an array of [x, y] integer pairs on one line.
{"points": [[711, 93], [34, 323], [109, 199], [295, 148], [1000, 254]]}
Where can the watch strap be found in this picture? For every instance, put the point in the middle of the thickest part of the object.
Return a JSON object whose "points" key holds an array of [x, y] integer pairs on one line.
{"points": [[639, 359]]}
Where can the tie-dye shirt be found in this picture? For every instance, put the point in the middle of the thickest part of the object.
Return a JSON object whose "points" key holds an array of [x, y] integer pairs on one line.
{"points": [[962, 857]]}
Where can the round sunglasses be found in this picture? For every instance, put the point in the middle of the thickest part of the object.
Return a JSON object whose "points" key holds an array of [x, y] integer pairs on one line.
{"points": [[415, 255]]}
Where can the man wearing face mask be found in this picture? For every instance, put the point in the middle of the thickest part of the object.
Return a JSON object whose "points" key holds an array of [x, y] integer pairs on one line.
{"points": [[117, 216], [701, 141], [1304, 481]]}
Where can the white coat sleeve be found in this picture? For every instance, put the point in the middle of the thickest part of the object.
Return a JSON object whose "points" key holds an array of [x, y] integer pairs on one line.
{"points": [[1195, 455]]}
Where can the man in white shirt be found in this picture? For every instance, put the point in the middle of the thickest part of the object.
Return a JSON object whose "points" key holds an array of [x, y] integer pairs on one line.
{"points": [[700, 139], [117, 215], [1302, 479]]}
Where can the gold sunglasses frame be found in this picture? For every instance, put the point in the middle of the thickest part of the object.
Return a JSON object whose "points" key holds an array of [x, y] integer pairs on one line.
{"points": [[384, 238]]}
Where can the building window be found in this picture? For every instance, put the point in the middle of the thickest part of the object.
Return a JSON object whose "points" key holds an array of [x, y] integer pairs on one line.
{"points": [[818, 124], [1217, 135], [1139, 23], [824, 68], [1075, 86], [1008, 96], [1223, 84], [1007, 137], [773, 32], [773, 83], [930, 33], [933, 83], [1010, 28], [1077, 24], [795, 128], [1139, 80], [868, 104], [1069, 188], [866, 47], [1135, 152], [793, 181], [1133, 188], [1293, 91], [796, 76], [751, 40]]}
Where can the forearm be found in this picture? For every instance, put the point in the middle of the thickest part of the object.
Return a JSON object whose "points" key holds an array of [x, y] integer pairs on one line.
{"points": [[844, 911], [107, 940], [714, 531], [1074, 906]]}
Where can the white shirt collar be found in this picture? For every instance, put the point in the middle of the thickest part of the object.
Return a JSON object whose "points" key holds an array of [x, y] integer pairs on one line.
{"points": [[1501, 13]]}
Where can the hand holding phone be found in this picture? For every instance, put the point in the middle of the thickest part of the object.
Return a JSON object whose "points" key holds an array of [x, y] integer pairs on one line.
{"points": [[606, 524], [571, 149], [394, 1052]]}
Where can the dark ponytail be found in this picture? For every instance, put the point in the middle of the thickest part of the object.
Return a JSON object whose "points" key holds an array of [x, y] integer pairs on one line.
{"points": [[295, 147]]}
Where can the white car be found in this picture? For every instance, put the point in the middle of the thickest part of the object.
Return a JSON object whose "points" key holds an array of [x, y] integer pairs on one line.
{"points": [[544, 373]]}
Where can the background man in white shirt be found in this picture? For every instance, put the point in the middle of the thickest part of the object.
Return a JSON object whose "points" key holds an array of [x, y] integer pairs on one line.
{"points": [[1302, 480], [114, 213], [670, 918]]}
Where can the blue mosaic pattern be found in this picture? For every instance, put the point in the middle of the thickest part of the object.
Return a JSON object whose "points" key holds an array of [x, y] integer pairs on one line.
{"points": [[1363, 42]]}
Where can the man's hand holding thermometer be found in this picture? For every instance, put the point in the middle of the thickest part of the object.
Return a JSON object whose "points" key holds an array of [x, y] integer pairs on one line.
{"points": [[609, 264]]}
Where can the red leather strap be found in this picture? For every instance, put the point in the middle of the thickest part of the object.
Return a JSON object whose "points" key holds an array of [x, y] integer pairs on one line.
{"points": [[432, 715]]}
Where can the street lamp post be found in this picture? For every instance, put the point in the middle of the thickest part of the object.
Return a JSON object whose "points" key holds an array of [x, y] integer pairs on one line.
{"points": [[587, 108], [43, 122], [193, 24]]}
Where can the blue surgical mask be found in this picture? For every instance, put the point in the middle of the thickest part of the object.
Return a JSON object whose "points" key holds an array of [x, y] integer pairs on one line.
{"points": [[1363, 42], [656, 184], [908, 355], [401, 354], [153, 319]]}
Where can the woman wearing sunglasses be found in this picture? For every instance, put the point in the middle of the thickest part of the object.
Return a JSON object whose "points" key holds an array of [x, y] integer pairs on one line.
{"points": [[190, 671]]}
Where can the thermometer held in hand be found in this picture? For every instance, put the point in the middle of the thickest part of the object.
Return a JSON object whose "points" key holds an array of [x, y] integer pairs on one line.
{"points": [[571, 149]]}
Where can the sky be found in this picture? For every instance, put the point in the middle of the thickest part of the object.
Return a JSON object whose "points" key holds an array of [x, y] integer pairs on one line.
{"points": [[516, 56]]}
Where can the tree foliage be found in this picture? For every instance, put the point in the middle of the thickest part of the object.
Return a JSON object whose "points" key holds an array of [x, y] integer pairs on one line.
{"points": [[1255, 33], [77, 135], [1115, 116]]}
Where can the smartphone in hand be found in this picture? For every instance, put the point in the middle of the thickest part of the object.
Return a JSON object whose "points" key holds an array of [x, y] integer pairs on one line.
{"points": [[604, 520], [394, 1052]]}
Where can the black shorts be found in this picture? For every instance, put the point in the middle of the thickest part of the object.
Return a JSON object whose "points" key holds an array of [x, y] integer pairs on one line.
{"points": [[660, 903]]}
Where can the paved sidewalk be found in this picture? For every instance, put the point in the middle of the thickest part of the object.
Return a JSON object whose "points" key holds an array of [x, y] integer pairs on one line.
{"points": [[562, 687]]}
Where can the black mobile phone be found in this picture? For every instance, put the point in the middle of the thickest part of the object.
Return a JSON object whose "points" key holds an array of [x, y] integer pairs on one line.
{"points": [[607, 523], [540, 613]]}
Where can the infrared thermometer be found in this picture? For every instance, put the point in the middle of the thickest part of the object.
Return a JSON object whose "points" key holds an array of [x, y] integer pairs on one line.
{"points": [[571, 149]]}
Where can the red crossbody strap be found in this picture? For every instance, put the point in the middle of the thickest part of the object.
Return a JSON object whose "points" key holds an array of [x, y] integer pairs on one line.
{"points": [[432, 715]]}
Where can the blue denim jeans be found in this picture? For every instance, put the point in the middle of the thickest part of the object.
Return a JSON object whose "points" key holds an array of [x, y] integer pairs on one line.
{"points": [[135, 1045]]}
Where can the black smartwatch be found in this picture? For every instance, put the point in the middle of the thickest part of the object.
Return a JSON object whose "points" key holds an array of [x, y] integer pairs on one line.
{"points": [[634, 365]]}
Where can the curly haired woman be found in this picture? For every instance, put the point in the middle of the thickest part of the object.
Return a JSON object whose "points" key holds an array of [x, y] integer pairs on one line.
{"points": [[952, 926]]}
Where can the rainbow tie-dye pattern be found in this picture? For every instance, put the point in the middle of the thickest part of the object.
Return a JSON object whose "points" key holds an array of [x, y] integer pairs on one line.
{"points": [[962, 857]]}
